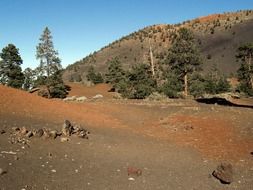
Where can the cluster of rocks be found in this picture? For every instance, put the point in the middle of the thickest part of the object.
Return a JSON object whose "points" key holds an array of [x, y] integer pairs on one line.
{"points": [[68, 129], [22, 135], [81, 98]]}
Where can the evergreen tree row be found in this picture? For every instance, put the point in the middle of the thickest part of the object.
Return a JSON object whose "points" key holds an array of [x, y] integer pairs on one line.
{"points": [[178, 76], [181, 74]]}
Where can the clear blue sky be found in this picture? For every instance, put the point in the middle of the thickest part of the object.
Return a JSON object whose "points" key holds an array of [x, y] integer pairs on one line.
{"points": [[80, 27]]}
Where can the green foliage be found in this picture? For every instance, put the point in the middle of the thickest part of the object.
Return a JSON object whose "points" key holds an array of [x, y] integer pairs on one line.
{"points": [[55, 85], [215, 82], [244, 79], [245, 72], [135, 84], [94, 77], [184, 57], [216, 86], [48, 56], [10, 69], [40, 81], [173, 86], [115, 74], [138, 83], [29, 81], [49, 71], [198, 85], [223, 85]]}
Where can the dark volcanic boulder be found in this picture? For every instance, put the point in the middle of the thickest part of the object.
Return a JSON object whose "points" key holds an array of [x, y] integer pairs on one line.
{"points": [[224, 173]]}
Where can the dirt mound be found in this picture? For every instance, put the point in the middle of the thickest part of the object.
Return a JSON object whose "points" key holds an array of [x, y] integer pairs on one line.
{"points": [[22, 105]]}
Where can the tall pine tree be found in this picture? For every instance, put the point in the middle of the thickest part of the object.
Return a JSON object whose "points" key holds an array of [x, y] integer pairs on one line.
{"points": [[184, 56], [48, 56], [50, 64], [10, 69]]}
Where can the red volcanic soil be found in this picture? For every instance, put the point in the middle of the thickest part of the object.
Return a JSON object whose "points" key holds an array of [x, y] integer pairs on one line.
{"points": [[176, 144], [21, 104]]}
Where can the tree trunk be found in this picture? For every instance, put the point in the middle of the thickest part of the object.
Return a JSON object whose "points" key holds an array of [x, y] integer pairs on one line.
{"points": [[48, 72], [151, 59], [186, 85]]}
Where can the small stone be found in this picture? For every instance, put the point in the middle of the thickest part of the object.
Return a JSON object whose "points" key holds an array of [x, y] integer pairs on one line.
{"points": [[64, 139], [83, 134], [134, 171], [131, 179], [188, 127], [16, 158], [2, 131], [81, 99], [46, 134], [23, 131], [54, 171], [2, 172], [29, 134], [38, 133], [98, 96], [224, 173], [53, 134], [67, 128]]}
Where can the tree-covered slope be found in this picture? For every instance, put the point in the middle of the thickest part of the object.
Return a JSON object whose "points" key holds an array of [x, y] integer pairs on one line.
{"points": [[218, 36]]}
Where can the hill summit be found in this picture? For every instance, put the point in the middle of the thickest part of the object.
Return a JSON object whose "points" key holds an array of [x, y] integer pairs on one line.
{"points": [[218, 35]]}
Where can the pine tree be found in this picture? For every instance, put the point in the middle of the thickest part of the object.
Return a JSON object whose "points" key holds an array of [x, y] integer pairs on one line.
{"points": [[183, 56], [140, 82], [48, 56], [245, 72], [94, 77], [10, 69], [50, 64], [115, 73], [29, 81]]}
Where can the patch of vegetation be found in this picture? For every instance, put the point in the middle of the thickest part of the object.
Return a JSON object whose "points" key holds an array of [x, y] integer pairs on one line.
{"points": [[10, 67], [94, 77], [245, 72], [184, 57]]}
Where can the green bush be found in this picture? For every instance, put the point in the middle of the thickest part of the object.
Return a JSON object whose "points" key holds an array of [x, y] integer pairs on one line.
{"points": [[172, 87], [141, 81], [197, 85], [55, 85], [115, 74], [94, 77]]}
